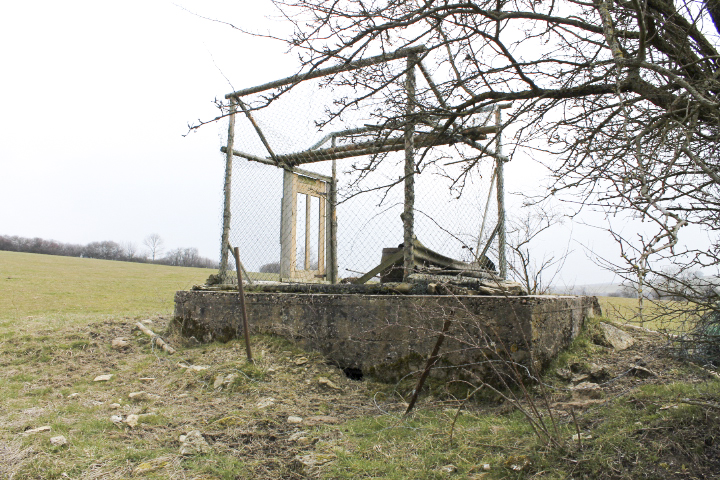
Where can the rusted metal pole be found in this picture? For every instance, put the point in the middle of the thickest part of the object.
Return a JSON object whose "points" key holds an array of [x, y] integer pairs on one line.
{"points": [[225, 238], [428, 366], [408, 215], [241, 293]]}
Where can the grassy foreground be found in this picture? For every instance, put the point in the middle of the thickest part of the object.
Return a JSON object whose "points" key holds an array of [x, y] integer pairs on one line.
{"points": [[59, 319]]}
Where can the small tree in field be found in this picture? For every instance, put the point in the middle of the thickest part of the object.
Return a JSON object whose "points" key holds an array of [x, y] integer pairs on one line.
{"points": [[155, 244]]}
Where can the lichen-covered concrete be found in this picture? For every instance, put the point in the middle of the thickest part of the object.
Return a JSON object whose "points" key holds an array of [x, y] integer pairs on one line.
{"points": [[392, 335]]}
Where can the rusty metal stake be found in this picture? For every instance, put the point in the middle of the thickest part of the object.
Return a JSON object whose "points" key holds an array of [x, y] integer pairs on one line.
{"points": [[241, 294], [430, 363]]}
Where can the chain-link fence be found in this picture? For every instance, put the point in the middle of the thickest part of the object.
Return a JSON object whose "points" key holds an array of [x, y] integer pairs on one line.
{"points": [[335, 148]]}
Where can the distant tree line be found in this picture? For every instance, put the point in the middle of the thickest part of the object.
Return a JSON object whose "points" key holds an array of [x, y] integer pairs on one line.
{"points": [[105, 250]]}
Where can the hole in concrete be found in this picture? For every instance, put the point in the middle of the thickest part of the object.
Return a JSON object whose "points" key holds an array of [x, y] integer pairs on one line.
{"points": [[353, 373]]}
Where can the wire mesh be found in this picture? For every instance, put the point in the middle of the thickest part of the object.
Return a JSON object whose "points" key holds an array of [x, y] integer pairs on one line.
{"points": [[455, 208]]}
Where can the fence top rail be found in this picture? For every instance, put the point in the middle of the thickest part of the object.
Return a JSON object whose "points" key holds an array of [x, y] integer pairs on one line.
{"points": [[343, 67]]}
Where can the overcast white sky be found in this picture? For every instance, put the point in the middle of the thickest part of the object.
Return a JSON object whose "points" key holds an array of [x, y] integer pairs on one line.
{"points": [[95, 98]]}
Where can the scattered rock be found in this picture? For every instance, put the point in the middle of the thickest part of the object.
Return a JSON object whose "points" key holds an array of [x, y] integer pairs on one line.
{"points": [[138, 396], [486, 467], [116, 418], [224, 380], [642, 372], [132, 420], [300, 438], [147, 379], [103, 378], [328, 383], [193, 342], [120, 343], [32, 431], [301, 361], [611, 336], [266, 402], [319, 419], [114, 406], [193, 444], [294, 419], [59, 441], [599, 373], [518, 463], [73, 395], [580, 378], [564, 374], [449, 469], [588, 390], [581, 436]]}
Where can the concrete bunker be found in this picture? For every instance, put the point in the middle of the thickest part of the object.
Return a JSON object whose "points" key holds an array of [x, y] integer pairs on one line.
{"points": [[385, 320], [389, 336]]}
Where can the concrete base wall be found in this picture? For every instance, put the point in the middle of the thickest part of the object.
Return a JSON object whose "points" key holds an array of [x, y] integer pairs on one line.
{"points": [[392, 335]]}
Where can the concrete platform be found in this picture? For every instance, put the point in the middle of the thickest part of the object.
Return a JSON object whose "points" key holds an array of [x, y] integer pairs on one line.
{"points": [[389, 336]]}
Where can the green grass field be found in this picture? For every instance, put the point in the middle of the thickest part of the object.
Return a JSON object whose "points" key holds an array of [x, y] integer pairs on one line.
{"points": [[64, 288], [660, 315]]}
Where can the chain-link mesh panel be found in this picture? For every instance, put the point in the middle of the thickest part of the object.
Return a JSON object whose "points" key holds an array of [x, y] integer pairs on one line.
{"points": [[455, 207]]}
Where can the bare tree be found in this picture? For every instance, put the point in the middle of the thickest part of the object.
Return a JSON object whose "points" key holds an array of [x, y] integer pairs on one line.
{"points": [[105, 250], [536, 273], [638, 255], [155, 244], [130, 251], [187, 257]]}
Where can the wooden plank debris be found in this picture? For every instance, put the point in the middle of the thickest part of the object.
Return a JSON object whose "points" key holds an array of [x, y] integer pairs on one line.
{"points": [[384, 265], [155, 338]]}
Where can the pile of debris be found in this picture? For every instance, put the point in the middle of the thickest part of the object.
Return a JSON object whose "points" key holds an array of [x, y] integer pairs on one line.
{"points": [[443, 275]]}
